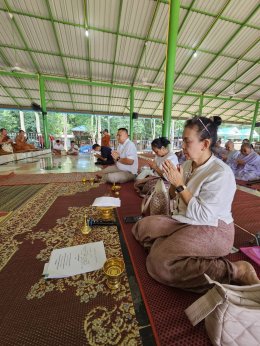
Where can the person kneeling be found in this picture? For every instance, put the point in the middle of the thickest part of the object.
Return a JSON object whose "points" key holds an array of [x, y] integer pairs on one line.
{"points": [[198, 237], [103, 155], [125, 161]]}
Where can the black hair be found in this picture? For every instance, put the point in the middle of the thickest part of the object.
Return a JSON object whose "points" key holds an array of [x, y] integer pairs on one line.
{"points": [[105, 130], [21, 131], [207, 127], [2, 129], [94, 146], [57, 141], [160, 142], [123, 129]]}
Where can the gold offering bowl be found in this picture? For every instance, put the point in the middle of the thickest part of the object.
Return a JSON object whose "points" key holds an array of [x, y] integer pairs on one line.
{"points": [[92, 180], [116, 188], [84, 180], [113, 269], [106, 213]]}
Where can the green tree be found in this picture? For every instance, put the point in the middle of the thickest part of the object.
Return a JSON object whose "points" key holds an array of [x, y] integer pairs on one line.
{"points": [[9, 119]]}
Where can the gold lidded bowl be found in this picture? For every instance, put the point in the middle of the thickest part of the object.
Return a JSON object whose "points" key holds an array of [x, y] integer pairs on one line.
{"points": [[113, 269], [106, 213]]}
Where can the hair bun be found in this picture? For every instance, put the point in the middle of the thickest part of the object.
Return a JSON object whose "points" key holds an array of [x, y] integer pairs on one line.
{"points": [[217, 120]]}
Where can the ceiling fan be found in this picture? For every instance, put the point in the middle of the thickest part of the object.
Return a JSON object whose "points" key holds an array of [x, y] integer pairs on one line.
{"points": [[145, 78], [16, 67], [234, 92]]}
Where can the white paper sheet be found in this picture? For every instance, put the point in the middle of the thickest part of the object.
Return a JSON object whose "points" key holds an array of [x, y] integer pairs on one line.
{"points": [[107, 202], [75, 260]]}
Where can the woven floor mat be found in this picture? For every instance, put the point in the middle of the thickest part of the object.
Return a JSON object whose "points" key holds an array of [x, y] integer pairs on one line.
{"points": [[13, 197], [79, 310]]}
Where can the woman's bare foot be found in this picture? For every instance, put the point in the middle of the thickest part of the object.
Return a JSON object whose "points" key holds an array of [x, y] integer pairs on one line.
{"points": [[244, 273]]}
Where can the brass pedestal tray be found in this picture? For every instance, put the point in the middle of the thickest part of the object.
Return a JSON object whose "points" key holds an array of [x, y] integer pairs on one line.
{"points": [[113, 269]]}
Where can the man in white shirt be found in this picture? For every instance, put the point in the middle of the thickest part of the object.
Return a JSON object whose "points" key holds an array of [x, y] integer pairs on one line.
{"points": [[58, 148], [126, 160]]}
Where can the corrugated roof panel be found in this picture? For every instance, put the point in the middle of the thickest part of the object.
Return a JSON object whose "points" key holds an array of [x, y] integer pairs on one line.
{"points": [[240, 10], [118, 102], [49, 64], [199, 63], [140, 95], [251, 74], [100, 100], [154, 55], [3, 92], [254, 52], [101, 91], [101, 72], [128, 50], [72, 40], [102, 46], [241, 42], [180, 107], [114, 109], [103, 14], [255, 19], [61, 105], [194, 29], [213, 103], [24, 102], [218, 87], [68, 11], [38, 34], [182, 56], [9, 82], [8, 31], [56, 96], [124, 93], [236, 70], [34, 94], [160, 79], [193, 109], [154, 97], [31, 83], [183, 82], [219, 35], [148, 104], [80, 89], [6, 100], [230, 112], [56, 86], [18, 92], [136, 17], [82, 98], [19, 58], [256, 95], [124, 74], [213, 7], [228, 104], [76, 68], [138, 104], [201, 85], [160, 25], [218, 67], [145, 76], [158, 112], [188, 100], [36, 7]]}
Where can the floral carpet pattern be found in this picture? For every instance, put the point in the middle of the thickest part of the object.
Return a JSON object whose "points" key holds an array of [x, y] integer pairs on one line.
{"points": [[104, 316]]}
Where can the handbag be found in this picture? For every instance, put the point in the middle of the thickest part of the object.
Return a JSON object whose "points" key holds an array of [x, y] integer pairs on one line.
{"points": [[232, 314], [156, 201]]}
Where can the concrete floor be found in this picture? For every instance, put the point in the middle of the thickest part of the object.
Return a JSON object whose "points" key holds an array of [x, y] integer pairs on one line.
{"points": [[52, 164]]}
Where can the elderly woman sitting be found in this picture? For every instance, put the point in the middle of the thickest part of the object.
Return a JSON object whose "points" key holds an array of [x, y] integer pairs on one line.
{"points": [[199, 236], [247, 163], [6, 144]]}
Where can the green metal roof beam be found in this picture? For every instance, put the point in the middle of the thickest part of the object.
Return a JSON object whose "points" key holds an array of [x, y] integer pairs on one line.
{"points": [[227, 43], [58, 44], [164, 59], [114, 60], [21, 35], [87, 45], [205, 35]]}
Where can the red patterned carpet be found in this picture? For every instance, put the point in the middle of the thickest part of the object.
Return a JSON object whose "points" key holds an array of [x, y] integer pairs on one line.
{"points": [[166, 305]]}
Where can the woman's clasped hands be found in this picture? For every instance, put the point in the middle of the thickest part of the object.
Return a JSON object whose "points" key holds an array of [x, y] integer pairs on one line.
{"points": [[174, 174]]}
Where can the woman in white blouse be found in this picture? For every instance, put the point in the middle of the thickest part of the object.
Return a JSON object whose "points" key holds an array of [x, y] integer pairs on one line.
{"points": [[201, 232], [162, 150]]}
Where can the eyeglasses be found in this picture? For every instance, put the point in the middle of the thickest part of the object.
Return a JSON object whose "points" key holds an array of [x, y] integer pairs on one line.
{"points": [[205, 127]]}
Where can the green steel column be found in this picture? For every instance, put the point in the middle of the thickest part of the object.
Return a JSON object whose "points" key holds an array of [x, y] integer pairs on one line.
{"points": [[131, 123], [44, 113], [201, 105], [254, 121], [174, 8]]}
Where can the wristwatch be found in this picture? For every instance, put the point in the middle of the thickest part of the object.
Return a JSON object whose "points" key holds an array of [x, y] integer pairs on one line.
{"points": [[180, 188]]}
